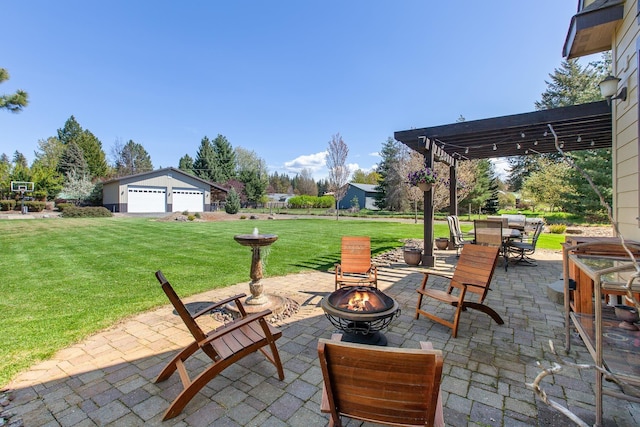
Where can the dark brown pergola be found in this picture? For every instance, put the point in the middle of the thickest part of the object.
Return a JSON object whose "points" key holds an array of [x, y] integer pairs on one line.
{"points": [[579, 127]]}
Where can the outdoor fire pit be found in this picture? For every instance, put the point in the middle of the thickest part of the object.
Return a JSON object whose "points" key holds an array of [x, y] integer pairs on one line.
{"points": [[361, 312]]}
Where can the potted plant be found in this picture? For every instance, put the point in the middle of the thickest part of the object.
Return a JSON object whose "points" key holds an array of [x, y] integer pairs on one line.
{"points": [[442, 243], [422, 178], [412, 255]]}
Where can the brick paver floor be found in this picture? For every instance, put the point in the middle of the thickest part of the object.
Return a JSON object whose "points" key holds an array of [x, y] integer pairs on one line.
{"points": [[108, 378]]}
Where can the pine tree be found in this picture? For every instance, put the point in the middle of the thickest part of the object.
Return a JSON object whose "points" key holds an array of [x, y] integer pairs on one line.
{"points": [[205, 160], [225, 160], [14, 102], [72, 160], [232, 205], [390, 156], [186, 164], [90, 146], [131, 159]]}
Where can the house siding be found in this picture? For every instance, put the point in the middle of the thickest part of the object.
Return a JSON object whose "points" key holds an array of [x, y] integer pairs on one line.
{"points": [[626, 191]]}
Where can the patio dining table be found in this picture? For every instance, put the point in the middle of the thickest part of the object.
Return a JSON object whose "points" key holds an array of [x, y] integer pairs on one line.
{"points": [[508, 234]]}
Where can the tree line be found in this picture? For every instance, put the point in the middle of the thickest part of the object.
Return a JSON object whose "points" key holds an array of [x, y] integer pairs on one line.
{"points": [[73, 165]]}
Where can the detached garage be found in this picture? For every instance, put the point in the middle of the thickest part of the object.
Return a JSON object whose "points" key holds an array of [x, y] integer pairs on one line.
{"points": [[159, 191]]}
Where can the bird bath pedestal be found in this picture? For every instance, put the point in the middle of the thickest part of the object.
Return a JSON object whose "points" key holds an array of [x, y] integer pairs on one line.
{"points": [[258, 301]]}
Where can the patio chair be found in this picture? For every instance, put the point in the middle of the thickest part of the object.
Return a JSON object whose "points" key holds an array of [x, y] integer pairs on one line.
{"points": [[355, 267], [385, 385], [472, 275], [489, 232], [224, 345], [456, 233], [523, 249]]}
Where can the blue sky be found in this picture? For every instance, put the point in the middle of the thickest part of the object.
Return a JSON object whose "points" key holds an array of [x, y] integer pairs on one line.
{"points": [[276, 77]]}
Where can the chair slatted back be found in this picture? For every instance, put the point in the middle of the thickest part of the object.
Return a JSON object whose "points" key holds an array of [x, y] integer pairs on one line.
{"points": [[475, 267], [182, 311], [356, 254], [381, 384], [488, 232]]}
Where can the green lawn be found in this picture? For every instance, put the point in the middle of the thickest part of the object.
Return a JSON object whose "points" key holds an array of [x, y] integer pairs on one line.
{"points": [[64, 279]]}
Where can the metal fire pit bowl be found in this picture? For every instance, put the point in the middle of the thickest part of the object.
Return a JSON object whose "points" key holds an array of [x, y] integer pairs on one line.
{"points": [[361, 326]]}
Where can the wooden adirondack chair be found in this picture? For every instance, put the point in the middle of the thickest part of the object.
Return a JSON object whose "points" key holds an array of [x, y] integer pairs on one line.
{"points": [[393, 386], [355, 267], [224, 345], [472, 275]]}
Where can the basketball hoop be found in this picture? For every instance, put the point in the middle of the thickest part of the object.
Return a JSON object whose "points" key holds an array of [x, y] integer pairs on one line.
{"points": [[22, 187]]}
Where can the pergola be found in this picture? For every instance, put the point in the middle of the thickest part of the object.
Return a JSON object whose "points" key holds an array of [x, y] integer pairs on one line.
{"points": [[578, 127]]}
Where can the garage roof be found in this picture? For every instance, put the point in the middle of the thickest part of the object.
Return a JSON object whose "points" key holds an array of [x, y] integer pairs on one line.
{"points": [[579, 127]]}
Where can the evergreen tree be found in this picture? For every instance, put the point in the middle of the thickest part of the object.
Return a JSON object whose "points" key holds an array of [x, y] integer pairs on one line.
{"points": [[205, 160], [232, 205], [482, 190], [387, 169], [581, 199], [72, 160], [90, 146], [252, 172], [131, 159], [225, 160], [571, 84], [14, 102], [186, 164]]}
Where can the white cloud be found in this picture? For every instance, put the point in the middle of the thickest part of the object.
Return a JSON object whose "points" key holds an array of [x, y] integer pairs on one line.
{"points": [[375, 154], [313, 162]]}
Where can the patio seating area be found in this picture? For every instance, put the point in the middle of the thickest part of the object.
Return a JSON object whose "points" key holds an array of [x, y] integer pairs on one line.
{"points": [[107, 379]]}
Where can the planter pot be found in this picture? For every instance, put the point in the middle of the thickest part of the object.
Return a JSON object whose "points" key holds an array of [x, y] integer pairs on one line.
{"points": [[442, 243], [412, 256], [425, 187]]}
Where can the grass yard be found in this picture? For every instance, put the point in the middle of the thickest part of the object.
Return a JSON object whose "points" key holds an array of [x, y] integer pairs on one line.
{"points": [[64, 279]]}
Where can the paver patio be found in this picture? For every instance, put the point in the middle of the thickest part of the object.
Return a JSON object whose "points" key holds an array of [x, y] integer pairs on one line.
{"points": [[108, 378]]}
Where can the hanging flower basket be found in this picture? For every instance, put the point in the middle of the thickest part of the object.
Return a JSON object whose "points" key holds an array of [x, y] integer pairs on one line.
{"points": [[422, 178], [424, 186]]}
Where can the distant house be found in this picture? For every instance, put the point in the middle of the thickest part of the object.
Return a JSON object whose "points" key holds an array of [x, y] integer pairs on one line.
{"points": [[161, 190], [365, 193]]}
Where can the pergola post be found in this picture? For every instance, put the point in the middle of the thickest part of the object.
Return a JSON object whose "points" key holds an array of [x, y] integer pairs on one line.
{"points": [[453, 196], [428, 260]]}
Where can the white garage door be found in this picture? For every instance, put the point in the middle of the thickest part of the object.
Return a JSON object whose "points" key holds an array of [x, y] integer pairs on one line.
{"points": [[147, 199], [188, 200]]}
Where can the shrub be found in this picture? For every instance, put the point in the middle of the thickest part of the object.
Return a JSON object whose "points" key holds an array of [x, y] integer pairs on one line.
{"points": [[86, 212], [34, 206], [557, 228], [232, 205], [197, 215], [62, 206], [191, 217], [7, 205]]}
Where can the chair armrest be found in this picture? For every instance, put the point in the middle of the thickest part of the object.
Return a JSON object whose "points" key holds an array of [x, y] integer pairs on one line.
{"points": [[466, 285], [433, 273], [230, 327], [218, 304]]}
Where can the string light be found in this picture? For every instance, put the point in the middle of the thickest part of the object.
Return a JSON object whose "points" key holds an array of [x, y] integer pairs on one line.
{"points": [[579, 138], [466, 150], [495, 147], [522, 134], [545, 133], [518, 146], [562, 144], [535, 142], [526, 151], [592, 143]]}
